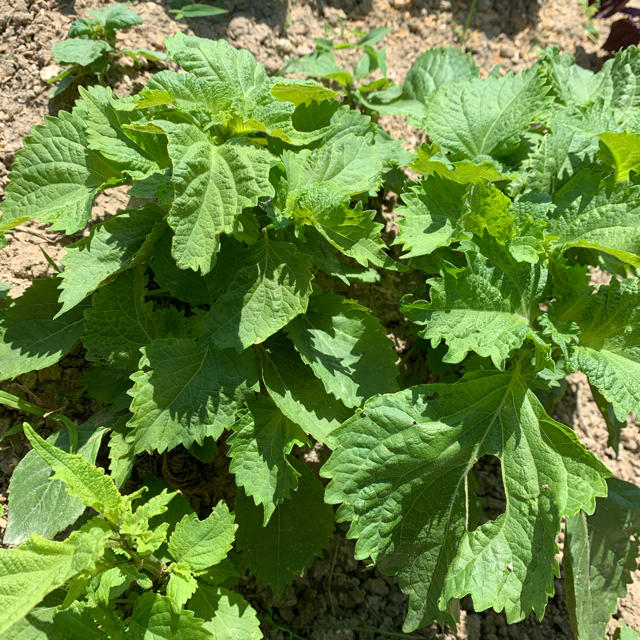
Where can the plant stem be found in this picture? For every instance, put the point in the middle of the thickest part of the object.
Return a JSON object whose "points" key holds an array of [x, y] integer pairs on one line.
{"points": [[467, 24], [14, 402]]}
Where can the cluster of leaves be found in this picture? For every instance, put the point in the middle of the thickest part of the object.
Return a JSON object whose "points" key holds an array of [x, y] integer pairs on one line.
{"points": [[625, 31], [135, 556], [90, 48], [210, 318], [323, 65], [528, 181], [201, 320]]}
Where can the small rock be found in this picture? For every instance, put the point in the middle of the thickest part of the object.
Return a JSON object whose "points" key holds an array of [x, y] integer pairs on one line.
{"points": [[20, 18], [298, 28], [334, 16], [238, 27], [507, 51], [283, 45], [19, 6], [377, 586], [261, 32], [49, 72], [350, 599]]}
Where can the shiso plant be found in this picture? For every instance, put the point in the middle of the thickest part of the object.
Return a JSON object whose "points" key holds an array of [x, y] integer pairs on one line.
{"points": [[210, 317], [367, 80], [90, 50]]}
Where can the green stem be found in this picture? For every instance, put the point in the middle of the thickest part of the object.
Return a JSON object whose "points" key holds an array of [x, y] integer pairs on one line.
{"points": [[50, 260], [72, 428], [467, 24], [14, 402]]}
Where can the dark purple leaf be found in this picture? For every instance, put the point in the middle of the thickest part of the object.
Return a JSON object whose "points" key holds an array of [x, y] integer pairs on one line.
{"points": [[609, 7], [624, 33], [631, 11]]}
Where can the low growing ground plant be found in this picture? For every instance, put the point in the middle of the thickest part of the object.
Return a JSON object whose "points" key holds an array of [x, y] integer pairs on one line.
{"points": [[185, 9], [358, 86], [90, 49], [210, 318]]}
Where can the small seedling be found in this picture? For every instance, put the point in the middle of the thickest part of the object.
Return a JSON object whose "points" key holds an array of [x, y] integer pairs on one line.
{"points": [[184, 9], [90, 50], [323, 65]]}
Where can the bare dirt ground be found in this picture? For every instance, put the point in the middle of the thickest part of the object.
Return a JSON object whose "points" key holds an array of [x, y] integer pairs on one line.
{"points": [[339, 598]]}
